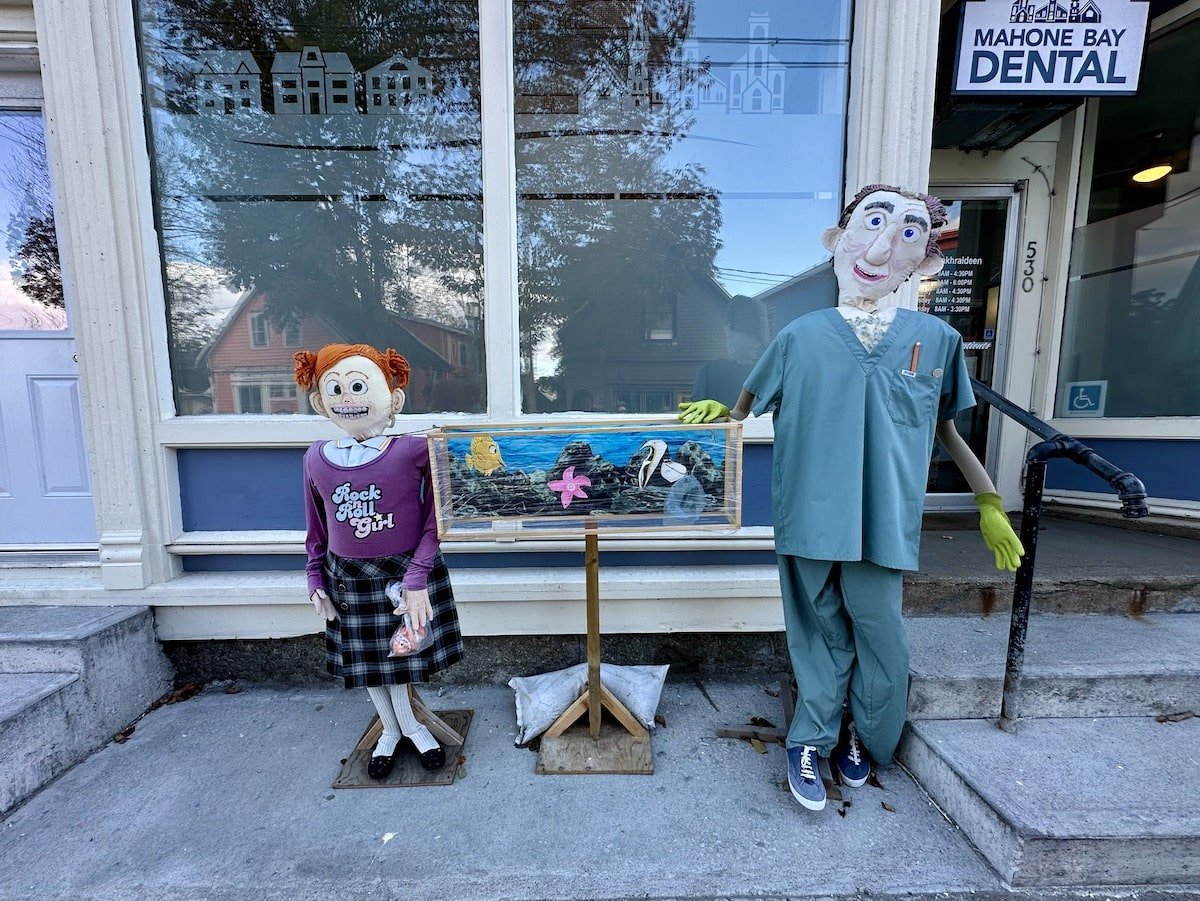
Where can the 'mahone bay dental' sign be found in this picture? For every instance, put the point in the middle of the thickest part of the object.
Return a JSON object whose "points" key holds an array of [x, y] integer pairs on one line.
{"points": [[1051, 47]]}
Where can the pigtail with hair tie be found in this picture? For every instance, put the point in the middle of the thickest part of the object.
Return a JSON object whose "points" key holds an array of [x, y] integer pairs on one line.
{"points": [[306, 368], [397, 367]]}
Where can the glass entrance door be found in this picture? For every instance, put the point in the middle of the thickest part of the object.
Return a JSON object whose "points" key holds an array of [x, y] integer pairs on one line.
{"points": [[973, 293]]}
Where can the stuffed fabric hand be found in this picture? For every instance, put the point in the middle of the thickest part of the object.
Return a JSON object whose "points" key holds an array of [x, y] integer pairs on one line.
{"points": [[703, 411], [323, 606], [998, 532], [417, 606]]}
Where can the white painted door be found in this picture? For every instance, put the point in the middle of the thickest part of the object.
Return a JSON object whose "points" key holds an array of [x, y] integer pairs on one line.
{"points": [[45, 490]]}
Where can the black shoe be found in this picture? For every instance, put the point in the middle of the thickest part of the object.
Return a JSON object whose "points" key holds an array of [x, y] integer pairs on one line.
{"points": [[434, 758], [380, 766]]}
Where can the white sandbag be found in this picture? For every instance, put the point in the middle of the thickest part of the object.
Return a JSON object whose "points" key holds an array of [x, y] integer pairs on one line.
{"points": [[637, 687], [542, 699]]}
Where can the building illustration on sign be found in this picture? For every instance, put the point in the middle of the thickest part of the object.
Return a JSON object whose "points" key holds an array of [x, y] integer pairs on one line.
{"points": [[309, 83], [1029, 12]]}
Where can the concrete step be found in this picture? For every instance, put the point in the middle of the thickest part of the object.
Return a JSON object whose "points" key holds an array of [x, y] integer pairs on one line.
{"points": [[34, 711], [73, 677], [1075, 665], [1068, 802]]}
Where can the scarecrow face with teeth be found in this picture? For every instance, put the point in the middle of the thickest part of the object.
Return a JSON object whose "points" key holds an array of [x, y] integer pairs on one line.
{"points": [[348, 384], [883, 239]]}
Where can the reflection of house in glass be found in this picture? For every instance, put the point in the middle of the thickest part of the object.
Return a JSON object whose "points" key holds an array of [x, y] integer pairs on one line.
{"points": [[395, 83], [250, 358], [313, 83], [227, 80], [617, 362]]}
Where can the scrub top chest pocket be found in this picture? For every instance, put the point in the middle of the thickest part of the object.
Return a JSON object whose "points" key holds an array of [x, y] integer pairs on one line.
{"points": [[912, 397]]}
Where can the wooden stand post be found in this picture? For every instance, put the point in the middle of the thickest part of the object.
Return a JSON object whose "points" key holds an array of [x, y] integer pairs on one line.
{"points": [[601, 750]]}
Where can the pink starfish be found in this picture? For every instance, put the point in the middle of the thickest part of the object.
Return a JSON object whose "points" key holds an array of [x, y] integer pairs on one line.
{"points": [[570, 485]]}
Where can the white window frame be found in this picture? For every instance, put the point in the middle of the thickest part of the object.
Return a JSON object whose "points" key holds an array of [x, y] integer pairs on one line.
{"points": [[1144, 427]]}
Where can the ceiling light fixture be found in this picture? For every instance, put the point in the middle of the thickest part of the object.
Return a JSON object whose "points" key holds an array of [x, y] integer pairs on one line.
{"points": [[1152, 173]]}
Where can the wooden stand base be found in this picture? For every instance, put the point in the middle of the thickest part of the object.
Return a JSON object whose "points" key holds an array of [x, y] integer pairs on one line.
{"points": [[449, 727], [574, 752]]}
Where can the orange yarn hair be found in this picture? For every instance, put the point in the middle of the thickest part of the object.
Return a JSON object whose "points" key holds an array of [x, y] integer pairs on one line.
{"points": [[311, 366]]}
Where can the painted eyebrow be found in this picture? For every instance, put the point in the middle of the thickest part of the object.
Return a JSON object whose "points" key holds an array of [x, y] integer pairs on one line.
{"points": [[914, 219], [885, 204]]}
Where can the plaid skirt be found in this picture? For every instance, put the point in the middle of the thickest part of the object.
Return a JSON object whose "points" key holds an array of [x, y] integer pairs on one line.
{"points": [[356, 643]]}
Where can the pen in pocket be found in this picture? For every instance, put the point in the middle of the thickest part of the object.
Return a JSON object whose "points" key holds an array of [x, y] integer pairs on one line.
{"points": [[916, 355]]}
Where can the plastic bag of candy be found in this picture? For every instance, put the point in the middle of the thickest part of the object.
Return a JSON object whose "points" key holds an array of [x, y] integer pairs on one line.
{"points": [[406, 640]]}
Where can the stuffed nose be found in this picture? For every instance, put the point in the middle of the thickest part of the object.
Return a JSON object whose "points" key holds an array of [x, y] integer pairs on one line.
{"points": [[880, 250]]}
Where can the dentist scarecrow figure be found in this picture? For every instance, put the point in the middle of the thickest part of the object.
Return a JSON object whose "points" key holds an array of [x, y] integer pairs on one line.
{"points": [[368, 503], [858, 393]]}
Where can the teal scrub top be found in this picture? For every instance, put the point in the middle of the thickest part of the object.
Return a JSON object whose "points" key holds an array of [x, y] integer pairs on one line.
{"points": [[854, 431]]}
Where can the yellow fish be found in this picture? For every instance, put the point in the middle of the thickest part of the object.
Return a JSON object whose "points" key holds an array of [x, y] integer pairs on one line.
{"points": [[484, 456]]}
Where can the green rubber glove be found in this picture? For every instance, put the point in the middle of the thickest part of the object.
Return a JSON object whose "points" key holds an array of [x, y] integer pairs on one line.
{"points": [[703, 411], [998, 532]]}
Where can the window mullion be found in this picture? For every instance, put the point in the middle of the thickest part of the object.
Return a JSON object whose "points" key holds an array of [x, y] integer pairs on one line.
{"points": [[501, 329]]}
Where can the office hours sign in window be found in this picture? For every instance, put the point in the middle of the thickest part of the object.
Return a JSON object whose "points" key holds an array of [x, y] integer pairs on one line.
{"points": [[676, 163], [316, 174]]}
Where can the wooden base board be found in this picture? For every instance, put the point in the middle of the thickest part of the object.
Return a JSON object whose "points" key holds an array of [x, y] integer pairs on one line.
{"points": [[408, 772], [575, 753]]}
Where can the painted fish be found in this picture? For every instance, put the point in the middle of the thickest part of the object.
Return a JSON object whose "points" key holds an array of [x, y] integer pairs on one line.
{"points": [[484, 456]]}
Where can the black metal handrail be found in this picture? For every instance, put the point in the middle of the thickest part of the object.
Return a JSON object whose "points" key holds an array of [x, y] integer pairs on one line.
{"points": [[1055, 445]]}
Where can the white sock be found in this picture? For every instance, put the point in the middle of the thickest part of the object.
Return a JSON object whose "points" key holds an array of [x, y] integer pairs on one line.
{"points": [[387, 716], [416, 732]]}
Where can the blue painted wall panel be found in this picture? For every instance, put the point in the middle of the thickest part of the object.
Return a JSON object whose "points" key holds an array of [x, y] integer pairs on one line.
{"points": [[1169, 468]]}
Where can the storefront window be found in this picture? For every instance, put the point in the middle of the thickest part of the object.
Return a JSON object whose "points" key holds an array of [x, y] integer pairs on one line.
{"points": [[677, 161], [317, 178], [1131, 343], [31, 291]]}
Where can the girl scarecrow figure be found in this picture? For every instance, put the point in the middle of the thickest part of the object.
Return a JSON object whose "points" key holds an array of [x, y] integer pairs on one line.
{"points": [[368, 503], [858, 394]]}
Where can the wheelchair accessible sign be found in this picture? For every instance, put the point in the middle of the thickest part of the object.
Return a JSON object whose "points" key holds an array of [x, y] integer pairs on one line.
{"points": [[1085, 398]]}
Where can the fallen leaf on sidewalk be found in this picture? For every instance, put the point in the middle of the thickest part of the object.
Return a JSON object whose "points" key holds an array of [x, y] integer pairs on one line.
{"points": [[460, 773], [758, 746], [771, 691], [873, 780], [762, 722], [120, 737], [660, 720], [233, 689], [886, 806], [1175, 717], [182, 693]]}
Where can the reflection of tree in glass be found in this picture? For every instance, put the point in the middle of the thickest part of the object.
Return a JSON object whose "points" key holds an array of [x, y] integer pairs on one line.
{"points": [[30, 235], [363, 220], [602, 218]]}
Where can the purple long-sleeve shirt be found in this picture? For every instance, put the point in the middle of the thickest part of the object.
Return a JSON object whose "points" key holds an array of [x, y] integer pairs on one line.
{"points": [[377, 509]]}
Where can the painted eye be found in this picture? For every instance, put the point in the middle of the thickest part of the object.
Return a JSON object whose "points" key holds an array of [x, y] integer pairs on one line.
{"points": [[492, 449], [358, 386], [874, 221], [910, 234], [333, 389]]}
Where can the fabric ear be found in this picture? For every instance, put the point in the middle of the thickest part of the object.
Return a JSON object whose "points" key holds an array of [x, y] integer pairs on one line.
{"points": [[306, 368], [931, 265], [397, 367], [830, 236]]}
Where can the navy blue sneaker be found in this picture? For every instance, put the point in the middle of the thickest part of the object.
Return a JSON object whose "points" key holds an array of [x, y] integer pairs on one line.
{"points": [[804, 777], [851, 758]]}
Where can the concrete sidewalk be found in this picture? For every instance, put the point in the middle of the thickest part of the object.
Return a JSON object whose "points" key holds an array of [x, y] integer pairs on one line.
{"points": [[227, 796]]}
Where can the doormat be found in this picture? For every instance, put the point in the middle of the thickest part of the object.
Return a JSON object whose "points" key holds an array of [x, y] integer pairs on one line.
{"points": [[408, 772]]}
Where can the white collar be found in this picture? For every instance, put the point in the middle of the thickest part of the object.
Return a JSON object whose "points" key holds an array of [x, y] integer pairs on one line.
{"points": [[378, 442]]}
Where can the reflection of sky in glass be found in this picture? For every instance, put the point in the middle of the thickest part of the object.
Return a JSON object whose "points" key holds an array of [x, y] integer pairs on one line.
{"points": [[779, 173], [24, 191]]}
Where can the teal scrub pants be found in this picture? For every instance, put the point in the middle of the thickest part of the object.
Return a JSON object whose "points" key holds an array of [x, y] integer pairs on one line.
{"points": [[844, 631]]}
